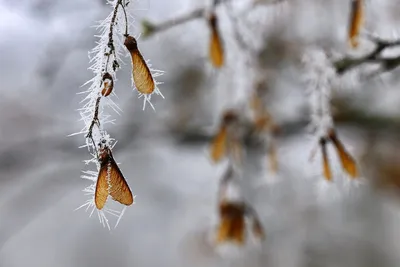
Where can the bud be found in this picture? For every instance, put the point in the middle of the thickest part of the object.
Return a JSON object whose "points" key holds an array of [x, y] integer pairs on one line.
{"points": [[110, 181], [108, 84], [142, 77], [348, 163], [356, 22], [216, 51]]}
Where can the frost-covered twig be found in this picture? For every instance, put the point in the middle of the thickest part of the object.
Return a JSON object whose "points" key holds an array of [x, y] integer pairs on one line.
{"points": [[105, 58], [375, 56], [319, 76]]}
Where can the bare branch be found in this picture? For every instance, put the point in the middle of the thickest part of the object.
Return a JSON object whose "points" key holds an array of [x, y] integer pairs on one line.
{"points": [[388, 63], [150, 28]]}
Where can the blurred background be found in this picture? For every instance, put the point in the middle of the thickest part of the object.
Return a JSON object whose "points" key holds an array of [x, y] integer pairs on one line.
{"points": [[44, 48]]}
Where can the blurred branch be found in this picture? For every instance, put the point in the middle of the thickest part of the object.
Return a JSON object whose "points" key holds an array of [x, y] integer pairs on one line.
{"points": [[149, 28], [347, 116], [388, 63]]}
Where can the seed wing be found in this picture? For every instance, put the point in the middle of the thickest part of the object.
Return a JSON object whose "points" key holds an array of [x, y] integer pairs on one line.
{"points": [[216, 51], [101, 192], [119, 188], [218, 145], [141, 73]]}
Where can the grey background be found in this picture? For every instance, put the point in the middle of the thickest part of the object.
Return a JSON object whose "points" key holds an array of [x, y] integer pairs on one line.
{"points": [[43, 49]]}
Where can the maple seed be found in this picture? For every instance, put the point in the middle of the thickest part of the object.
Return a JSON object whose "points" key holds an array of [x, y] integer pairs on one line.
{"points": [[348, 163], [232, 224], [219, 144], [356, 22], [110, 181], [216, 51], [140, 71], [325, 160], [108, 84]]}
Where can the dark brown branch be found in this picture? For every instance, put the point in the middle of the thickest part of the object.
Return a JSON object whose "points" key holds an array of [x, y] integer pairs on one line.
{"points": [[375, 56]]}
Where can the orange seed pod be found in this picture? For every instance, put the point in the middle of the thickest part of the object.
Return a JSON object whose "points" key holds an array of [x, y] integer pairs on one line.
{"points": [[232, 225], [356, 22], [348, 163], [216, 50], [110, 181], [218, 145], [140, 71]]}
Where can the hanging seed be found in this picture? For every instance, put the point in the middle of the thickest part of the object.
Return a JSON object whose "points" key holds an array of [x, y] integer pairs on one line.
{"points": [[111, 182], [216, 50], [232, 223], [218, 145], [356, 22], [348, 163], [142, 77]]}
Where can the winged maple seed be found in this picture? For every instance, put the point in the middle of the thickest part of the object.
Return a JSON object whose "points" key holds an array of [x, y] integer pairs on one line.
{"points": [[216, 50], [233, 212], [108, 84], [356, 21], [232, 223], [325, 160], [224, 142], [348, 163], [110, 181], [142, 77]]}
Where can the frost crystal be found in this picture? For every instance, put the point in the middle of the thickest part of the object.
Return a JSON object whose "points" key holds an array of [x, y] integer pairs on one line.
{"points": [[318, 75], [105, 61]]}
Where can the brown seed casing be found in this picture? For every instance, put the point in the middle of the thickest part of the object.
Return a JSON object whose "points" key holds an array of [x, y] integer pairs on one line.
{"points": [[356, 22], [232, 225], [140, 71], [216, 50], [108, 84], [348, 163], [110, 181], [218, 145], [221, 141]]}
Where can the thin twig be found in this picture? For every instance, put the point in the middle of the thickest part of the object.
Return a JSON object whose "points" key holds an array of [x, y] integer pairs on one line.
{"points": [[151, 28], [375, 56], [111, 46], [125, 16]]}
